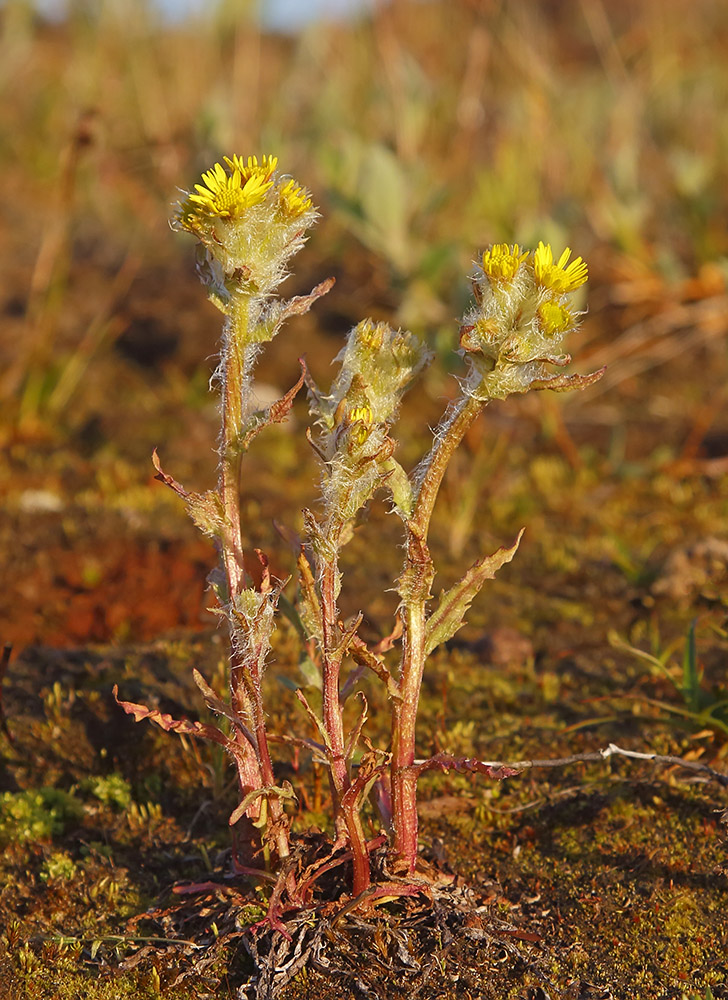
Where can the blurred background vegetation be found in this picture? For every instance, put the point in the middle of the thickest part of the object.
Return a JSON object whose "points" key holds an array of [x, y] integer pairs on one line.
{"points": [[426, 131]]}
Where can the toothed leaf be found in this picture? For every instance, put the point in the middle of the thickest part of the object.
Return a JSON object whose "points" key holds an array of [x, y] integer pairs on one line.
{"points": [[567, 383], [449, 615], [205, 509], [397, 482], [309, 606]]}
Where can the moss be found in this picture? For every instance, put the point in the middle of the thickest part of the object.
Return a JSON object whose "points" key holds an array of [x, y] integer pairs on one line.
{"points": [[58, 866], [111, 789], [60, 982], [37, 814]]}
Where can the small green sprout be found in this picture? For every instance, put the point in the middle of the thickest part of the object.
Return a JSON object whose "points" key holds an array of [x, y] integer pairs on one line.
{"points": [[701, 708]]}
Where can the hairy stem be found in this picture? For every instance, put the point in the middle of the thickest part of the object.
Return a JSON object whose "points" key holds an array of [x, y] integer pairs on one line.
{"points": [[331, 706], [452, 429], [360, 856], [254, 771], [234, 379], [415, 584], [347, 820]]}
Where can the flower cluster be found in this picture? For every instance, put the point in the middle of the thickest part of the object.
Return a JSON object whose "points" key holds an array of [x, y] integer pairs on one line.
{"points": [[524, 310], [250, 222]]}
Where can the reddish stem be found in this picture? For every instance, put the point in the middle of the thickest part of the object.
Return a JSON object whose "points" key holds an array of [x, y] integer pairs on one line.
{"points": [[332, 714], [345, 801], [415, 585], [357, 840], [245, 689]]}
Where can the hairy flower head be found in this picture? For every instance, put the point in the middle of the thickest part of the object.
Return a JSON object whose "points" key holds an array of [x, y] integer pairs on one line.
{"points": [[370, 335], [560, 277], [250, 222], [522, 314], [501, 261]]}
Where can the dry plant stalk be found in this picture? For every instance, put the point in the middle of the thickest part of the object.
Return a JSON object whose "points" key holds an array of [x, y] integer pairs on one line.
{"points": [[249, 221]]}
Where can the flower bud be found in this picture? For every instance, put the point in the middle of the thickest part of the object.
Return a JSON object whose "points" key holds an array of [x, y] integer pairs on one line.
{"points": [[359, 420], [383, 360]]}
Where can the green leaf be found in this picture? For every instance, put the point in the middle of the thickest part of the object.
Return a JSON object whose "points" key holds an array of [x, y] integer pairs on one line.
{"points": [[691, 687], [309, 606], [205, 509], [310, 673], [397, 482], [284, 791], [702, 720], [208, 513], [448, 616], [659, 662]]}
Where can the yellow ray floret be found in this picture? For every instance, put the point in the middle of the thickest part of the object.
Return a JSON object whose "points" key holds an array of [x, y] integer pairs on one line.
{"points": [[560, 277], [502, 261], [294, 200], [250, 167], [554, 318], [225, 195]]}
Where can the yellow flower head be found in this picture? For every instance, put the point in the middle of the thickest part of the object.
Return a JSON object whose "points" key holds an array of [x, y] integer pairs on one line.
{"points": [[554, 318], [502, 261], [294, 200], [561, 277], [224, 195]]}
